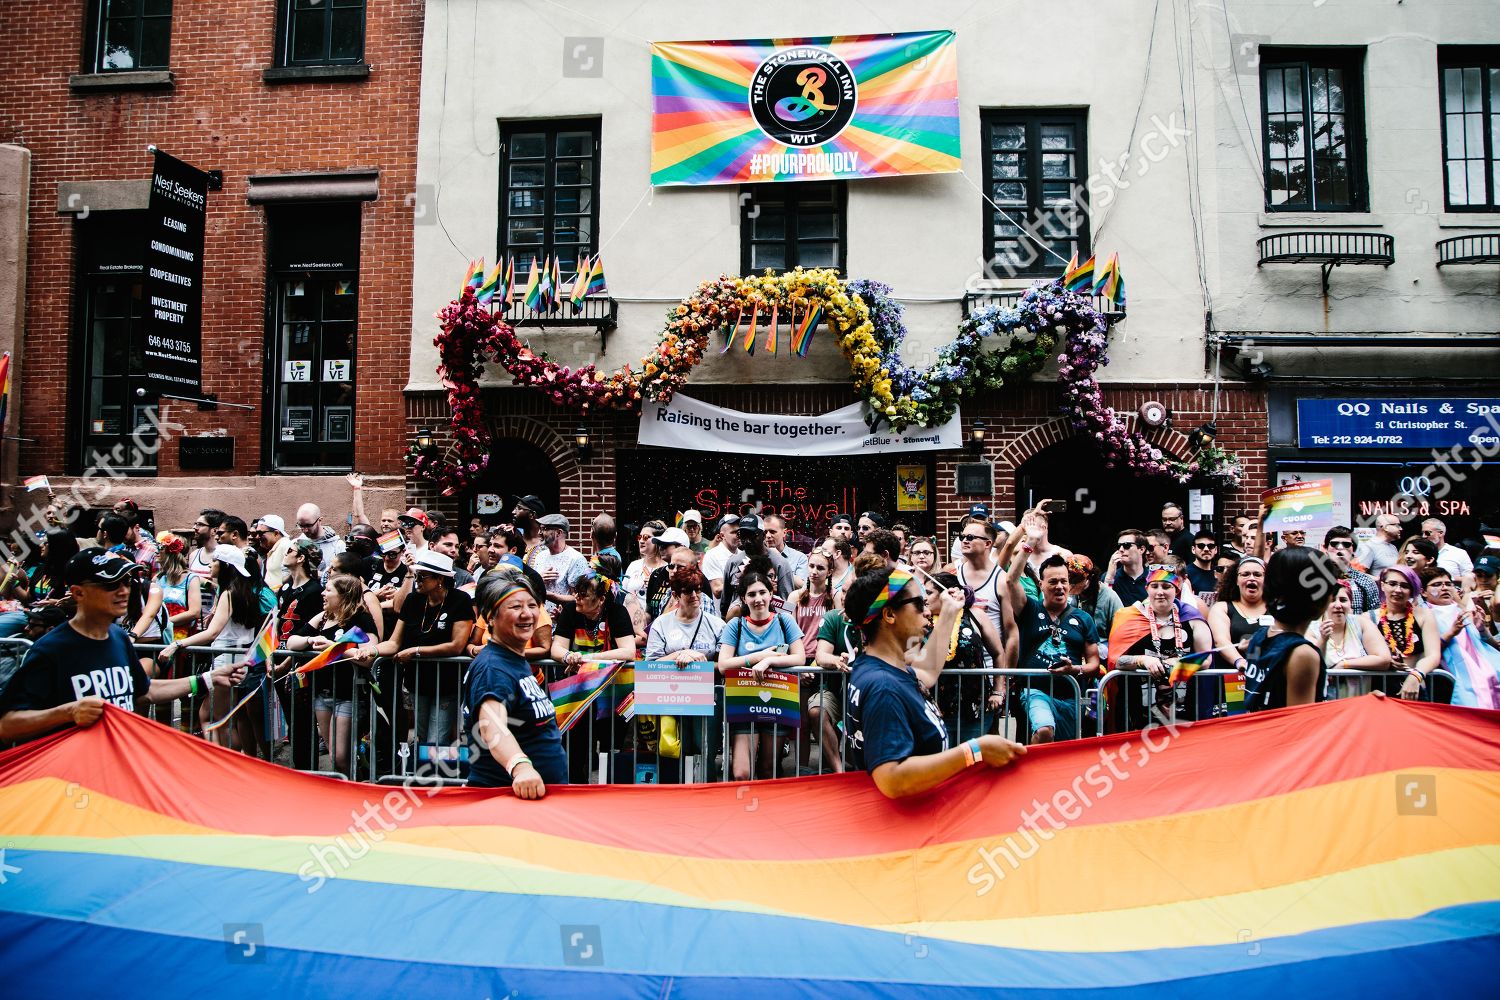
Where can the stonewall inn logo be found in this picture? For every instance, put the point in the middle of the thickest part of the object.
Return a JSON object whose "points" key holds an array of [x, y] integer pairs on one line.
{"points": [[803, 96]]}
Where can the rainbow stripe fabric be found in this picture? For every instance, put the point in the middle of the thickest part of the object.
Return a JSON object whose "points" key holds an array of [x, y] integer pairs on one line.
{"points": [[898, 115], [265, 643], [1349, 849]]}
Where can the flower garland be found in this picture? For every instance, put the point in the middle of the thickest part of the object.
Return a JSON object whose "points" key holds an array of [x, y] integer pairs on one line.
{"points": [[869, 327], [1401, 639]]}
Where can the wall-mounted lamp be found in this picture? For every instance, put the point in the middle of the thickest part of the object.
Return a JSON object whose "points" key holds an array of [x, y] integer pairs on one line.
{"points": [[1204, 436], [976, 437], [581, 441], [423, 442]]}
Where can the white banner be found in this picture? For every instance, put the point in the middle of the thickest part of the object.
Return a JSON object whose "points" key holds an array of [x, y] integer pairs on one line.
{"points": [[697, 426]]}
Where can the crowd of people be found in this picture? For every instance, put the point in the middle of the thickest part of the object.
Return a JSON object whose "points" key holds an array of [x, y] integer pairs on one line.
{"points": [[450, 628]]}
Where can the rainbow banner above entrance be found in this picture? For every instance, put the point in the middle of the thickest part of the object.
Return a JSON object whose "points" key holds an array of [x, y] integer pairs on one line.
{"points": [[796, 109]]}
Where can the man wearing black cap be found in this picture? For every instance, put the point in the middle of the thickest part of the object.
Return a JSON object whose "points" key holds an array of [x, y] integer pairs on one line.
{"points": [[72, 672], [842, 527], [868, 522], [523, 515], [718, 556]]}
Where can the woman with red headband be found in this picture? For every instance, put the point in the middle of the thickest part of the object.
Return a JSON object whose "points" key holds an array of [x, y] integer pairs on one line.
{"points": [[1150, 636], [896, 734]]}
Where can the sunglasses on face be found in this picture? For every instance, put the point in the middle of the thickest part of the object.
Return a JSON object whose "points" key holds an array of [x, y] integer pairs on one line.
{"points": [[1204, 545], [900, 602], [1341, 543], [973, 538], [1127, 545]]}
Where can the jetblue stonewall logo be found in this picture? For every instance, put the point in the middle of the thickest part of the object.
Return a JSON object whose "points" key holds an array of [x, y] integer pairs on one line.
{"points": [[803, 96]]}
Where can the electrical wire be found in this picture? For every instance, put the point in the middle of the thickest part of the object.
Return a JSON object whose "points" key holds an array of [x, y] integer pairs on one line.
{"points": [[1136, 121]]}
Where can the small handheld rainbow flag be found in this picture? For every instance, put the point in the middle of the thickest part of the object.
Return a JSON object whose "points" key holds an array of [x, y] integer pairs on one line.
{"points": [[533, 296], [36, 483], [1114, 284], [775, 328], [596, 277], [391, 541], [264, 644], [557, 288], [4, 386], [580, 284], [342, 645], [571, 696], [508, 286], [802, 338], [1186, 666], [677, 521], [545, 289], [1081, 278]]}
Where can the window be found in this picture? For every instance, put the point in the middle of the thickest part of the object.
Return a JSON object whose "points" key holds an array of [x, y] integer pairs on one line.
{"points": [[1312, 103], [320, 32], [127, 35], [1470, 81], [1036, 163], [315, 283], [108, 363], [549, 192], [783, 226]]}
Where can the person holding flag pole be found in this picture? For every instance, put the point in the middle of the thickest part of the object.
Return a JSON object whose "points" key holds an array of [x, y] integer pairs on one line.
{"points": [[341, 633]]}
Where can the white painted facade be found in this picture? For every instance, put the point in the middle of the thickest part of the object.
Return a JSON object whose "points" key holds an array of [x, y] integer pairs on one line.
{"points": [[1190, 121]]}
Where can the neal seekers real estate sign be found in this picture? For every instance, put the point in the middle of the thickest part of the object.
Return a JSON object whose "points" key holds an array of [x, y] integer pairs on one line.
{"points": [[173, 287]]}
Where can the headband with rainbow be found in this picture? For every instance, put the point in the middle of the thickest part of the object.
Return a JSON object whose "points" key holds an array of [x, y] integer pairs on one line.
{"points": [[1164, 574], [894, 584]]}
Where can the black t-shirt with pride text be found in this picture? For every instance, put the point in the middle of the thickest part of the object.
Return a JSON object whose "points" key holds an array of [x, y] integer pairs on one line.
{"points": [[65, 665]]}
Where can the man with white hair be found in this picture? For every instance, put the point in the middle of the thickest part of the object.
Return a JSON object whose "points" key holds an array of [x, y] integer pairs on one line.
{"points": [[310, 523], [1450, 557]]}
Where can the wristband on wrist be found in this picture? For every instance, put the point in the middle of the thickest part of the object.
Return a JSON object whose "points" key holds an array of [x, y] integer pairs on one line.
{"points": [[193, 686], [208, 681], [972, 753], [1241, 663], [516, 762]]}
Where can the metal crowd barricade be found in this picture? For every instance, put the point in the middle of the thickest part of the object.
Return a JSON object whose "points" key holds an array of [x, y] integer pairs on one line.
{"points": [[1216, 697], [964, 696]]}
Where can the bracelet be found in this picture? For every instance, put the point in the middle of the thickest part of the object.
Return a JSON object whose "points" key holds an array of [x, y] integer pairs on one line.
{"points": [[1241, 664], [208, 681], [193, 686], [972, 751], [517, 761]]}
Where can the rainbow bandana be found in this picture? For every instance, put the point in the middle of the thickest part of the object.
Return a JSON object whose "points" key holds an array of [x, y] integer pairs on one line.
{"points": [[1161, 574], [898, 580]]}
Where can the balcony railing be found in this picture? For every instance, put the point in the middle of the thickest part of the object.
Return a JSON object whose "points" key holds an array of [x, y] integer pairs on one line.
{"points": [[1327, 249], [1480, 249]]}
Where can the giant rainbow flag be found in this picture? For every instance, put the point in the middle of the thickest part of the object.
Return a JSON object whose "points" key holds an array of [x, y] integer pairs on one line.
{"points": [[793, 109], [1345, 850]]}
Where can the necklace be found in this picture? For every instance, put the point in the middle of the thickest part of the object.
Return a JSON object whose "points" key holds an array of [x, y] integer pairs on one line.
{"points": [[1400, 636], [1156, 636]]}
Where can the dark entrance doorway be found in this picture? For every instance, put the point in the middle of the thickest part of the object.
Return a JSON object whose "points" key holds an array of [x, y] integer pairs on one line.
{"points": [[1101, 501], [516, 467], [807, 492]]}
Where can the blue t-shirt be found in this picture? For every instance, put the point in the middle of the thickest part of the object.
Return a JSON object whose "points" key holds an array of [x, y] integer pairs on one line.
{"points": [[1044, 640], [500, 674], [887, 717], [782, 630], [64, 666]]}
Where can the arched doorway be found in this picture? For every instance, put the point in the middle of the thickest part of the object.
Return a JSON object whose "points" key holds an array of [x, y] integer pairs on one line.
{"points": [[516, 467], [1101, 501]]}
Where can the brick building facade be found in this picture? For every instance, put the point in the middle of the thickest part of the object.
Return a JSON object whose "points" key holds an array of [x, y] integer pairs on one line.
{"points": [[315, 147]]}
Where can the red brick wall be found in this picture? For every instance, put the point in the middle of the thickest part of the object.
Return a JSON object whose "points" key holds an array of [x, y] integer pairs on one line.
{"points": [[1019, 422], [220, 115]]}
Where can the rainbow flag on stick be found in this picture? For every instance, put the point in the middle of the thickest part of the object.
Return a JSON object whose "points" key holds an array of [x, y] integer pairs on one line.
{"points": [[572, 695], [1187, 665], [557, 289], [1080, 277], [264, 644], [474, 276], [36, 483], [580, 284], [489, 286], [342, 646], [750, 334], [802, 337], [391, 541], [4, 386], [533, 296], [596, 284], [775, 328]]}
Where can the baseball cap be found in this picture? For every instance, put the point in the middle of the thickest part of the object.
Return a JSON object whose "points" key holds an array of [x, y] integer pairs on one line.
{"points": [[979, 510], [749, 523], [94, 566], [414, 515], [531, 502], [230, 556], [672, 536], [729, 521], [691, 515], [553, 521], [428, 561], [274, 522], [874, 517], [1488, 565], [1009, 527], [841, 519]]}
